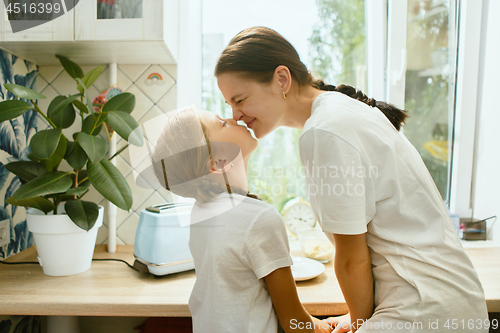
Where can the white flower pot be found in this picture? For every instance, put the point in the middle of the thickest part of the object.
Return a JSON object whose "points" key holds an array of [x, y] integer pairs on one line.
{"points": [[63, 248]]}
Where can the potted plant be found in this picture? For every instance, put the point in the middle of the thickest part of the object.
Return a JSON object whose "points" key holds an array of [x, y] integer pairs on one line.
{"points": [[65, 226]]}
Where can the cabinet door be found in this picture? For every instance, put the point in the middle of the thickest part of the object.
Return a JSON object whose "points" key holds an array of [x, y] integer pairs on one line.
{"points": [[58, 29], [112, 20]]}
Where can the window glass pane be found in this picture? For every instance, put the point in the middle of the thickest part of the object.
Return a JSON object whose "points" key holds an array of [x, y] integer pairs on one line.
{"points": [[430, 84], [116, 9], [333, 51]]}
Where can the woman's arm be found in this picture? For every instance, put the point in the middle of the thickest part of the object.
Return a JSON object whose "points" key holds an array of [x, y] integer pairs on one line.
{"points": [[291, 313], [353, 268]]}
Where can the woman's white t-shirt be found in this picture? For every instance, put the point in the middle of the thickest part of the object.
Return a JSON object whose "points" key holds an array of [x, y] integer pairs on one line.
{"points": [[233, 251], [364, 176]]}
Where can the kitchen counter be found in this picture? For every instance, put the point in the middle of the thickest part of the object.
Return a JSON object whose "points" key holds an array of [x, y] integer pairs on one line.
{"points": [[114, 289]]}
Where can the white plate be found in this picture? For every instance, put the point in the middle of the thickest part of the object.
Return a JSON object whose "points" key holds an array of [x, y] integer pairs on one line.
{"points": [[306, 269]]}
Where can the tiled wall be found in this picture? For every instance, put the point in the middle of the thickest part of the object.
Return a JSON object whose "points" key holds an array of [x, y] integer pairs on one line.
{"points": [[14, 137], [153, 96]]}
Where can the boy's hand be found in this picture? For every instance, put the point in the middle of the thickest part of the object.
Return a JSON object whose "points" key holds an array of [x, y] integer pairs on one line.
{"points": [[341, 324]]}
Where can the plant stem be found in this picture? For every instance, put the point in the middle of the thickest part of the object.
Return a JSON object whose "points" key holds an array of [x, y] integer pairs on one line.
{"points": [[118, 152], [55, 204], [43, 115], [84, 179], [75, 183], [46, 118]]}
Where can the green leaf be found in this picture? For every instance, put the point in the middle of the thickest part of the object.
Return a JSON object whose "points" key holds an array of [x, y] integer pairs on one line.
{"points": [[75, 155], [83, 213], [108, 181], [23, 92], [80, 106], [126, 127], [12, 109], [70, 67], [52, 163], [33, 158], [61, 111], [95, 147], [26, 170], [82, 175], [90, 77], [78, 191], [44, 143], [89, 101], [122, 102], [89, 122], [58, 155], [49, 183], [37, 202]]}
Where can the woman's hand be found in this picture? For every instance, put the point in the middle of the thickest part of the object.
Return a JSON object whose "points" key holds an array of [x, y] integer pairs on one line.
{"points": [[340, 324], [321, 326]]}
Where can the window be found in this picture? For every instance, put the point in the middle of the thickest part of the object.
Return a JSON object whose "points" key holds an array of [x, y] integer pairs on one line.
{"points": [[334, 52]]}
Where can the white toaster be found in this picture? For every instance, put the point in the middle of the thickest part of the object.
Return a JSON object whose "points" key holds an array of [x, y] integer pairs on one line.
{"points": [[161, 239]]}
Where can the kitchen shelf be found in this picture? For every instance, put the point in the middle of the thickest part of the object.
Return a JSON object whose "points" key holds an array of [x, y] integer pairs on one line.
{"points": [[80, 36]]}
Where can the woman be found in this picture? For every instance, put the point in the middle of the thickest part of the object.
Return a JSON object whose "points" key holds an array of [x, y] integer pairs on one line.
{"points": [[398, 259]]}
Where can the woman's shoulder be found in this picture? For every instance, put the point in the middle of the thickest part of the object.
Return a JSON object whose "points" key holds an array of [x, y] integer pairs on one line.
{"points": [[338, 116]]}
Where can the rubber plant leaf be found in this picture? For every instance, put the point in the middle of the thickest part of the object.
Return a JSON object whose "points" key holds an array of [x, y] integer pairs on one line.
{"points": [[95, 147], [44, 143], [83, 213], [12, 109], [70, 67], [23, 92], [122, 102], [126, 127], [48, 183], [108, 181], [26, 170], [40, 203]]}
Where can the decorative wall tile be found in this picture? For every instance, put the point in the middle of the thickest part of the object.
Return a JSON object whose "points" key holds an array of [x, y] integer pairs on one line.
{"points": [[142, 102], [126, 231], [132, 72], [49, 73], [169, 101], [155, 83], [171, 70], [64, 84]]}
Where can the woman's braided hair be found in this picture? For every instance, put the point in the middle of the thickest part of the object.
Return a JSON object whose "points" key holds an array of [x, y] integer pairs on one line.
{"points": [[187, 170], [254, 53]]}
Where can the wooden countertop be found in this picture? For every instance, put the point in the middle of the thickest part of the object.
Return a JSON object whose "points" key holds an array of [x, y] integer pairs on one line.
{"points": [[114, 289]]}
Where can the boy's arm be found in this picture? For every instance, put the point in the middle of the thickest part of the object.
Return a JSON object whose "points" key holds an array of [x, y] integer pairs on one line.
{"points": [[353, 268], [291, 314]]}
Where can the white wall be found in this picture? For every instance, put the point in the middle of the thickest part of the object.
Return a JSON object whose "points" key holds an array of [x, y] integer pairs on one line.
{"points": [[486, 174]]}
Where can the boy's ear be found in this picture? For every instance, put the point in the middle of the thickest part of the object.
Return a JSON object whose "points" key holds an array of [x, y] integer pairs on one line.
{"points": [[218, 165]]}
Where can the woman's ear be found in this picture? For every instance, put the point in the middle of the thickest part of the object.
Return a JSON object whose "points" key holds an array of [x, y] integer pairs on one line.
{"points": [[284, 77]]}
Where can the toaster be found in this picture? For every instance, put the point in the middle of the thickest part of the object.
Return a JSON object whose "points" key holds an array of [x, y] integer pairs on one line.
{"points": [[162, 239]]}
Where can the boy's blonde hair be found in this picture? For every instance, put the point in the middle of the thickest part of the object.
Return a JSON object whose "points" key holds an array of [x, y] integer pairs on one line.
{"points": [[182, 155]]}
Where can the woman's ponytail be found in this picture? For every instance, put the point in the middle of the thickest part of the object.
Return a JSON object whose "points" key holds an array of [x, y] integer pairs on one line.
{"points": [[395, 115]]}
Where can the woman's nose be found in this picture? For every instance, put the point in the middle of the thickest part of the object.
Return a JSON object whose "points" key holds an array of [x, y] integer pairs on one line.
{"points": [[231, 121], [237, 114]]}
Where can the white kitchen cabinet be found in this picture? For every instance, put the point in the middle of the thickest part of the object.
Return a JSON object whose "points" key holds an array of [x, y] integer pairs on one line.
{"points": [[59, 29], [86, 39]]}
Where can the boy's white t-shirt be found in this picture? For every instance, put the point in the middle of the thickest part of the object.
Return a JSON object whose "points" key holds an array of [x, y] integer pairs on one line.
{"points": [[365, 176], [232, 253]]}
